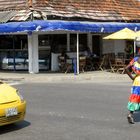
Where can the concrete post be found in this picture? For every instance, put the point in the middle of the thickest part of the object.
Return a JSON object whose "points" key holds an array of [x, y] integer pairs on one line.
{"points": [[89, 39], [68, 42], [77, 53], [33, 53]]}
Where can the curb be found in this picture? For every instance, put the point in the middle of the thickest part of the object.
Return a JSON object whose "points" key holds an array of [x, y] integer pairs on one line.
{"points": [[75, 79], [56, 78]]}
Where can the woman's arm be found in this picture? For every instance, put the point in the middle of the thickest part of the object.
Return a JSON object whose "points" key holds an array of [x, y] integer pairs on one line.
{"points": [[127, 70]]}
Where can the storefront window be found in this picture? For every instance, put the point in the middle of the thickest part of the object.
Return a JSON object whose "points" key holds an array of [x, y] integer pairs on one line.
{"points": [[44, 40], [59, 43], [13, 52], [82, 42]]}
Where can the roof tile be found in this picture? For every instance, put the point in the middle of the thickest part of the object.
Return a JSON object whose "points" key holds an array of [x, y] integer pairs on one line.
{"points": [[94, 9], [101, 10], [12, 4]]}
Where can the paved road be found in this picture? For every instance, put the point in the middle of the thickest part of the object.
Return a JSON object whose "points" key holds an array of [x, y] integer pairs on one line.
{"points": [[73, 111]]}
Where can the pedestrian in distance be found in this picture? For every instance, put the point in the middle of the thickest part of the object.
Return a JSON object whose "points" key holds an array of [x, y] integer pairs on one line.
{"points": [[133, 71]]}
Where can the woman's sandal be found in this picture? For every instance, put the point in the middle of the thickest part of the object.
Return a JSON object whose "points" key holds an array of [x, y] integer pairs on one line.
{"points": [[130, 119]]}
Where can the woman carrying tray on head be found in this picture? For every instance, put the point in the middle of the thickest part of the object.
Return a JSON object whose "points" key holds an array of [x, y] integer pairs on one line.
{"points": [[134, 99]]}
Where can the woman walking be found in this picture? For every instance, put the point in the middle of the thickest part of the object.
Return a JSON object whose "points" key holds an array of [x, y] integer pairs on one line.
{"points": [[134, 99]]}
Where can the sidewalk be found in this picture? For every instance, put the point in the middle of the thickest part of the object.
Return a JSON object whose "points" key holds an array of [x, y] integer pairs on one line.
{"points": [[94, 76]]}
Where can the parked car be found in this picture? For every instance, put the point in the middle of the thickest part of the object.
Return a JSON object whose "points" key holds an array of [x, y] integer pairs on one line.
{"points": [[12, 105]]}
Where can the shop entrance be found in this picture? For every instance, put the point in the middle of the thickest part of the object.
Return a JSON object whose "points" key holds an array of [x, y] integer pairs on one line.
{"points": [[96, 45], [50, 45], [44, 52]]}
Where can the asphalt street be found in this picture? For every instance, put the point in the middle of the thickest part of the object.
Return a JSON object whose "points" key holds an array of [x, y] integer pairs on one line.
{"points": [[74, 111]]}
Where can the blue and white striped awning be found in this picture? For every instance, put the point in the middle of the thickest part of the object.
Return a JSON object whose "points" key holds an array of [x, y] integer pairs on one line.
{"points": [[77, 26]]}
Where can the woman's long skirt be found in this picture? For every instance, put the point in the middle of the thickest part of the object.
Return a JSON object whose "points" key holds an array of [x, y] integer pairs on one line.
{"points": [[134, 99]]}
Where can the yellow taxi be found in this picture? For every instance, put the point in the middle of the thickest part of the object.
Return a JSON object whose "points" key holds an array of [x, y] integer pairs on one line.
{"points": [[12, 105]]}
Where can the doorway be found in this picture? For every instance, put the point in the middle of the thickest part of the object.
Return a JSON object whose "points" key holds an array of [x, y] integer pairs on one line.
{"points": [[44, 52], [96, 45]]}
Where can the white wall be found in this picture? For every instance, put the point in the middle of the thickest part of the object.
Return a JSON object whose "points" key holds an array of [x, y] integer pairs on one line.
{"points": [[108, 46], [119, 46], [113, 46], [54, 58]]}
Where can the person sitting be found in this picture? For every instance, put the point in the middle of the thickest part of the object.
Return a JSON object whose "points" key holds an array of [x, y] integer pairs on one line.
{"points": [[63, 54], [87, 52], [63, 65]]}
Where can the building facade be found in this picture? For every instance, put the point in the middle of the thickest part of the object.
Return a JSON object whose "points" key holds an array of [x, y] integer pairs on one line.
{"points": [[39, 51]]}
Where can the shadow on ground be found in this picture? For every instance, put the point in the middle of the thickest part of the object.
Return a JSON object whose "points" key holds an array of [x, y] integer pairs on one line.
{"points": [[14, 127]]}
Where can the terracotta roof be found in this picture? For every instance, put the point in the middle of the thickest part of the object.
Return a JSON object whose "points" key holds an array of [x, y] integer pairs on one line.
{"points": [[12, 4], [6, 16], [91, 9], [96, 10], [24, 15]]}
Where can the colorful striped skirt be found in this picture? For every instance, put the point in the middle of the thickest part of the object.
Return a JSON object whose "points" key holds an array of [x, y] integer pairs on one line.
{"points": [[134, 99]]}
